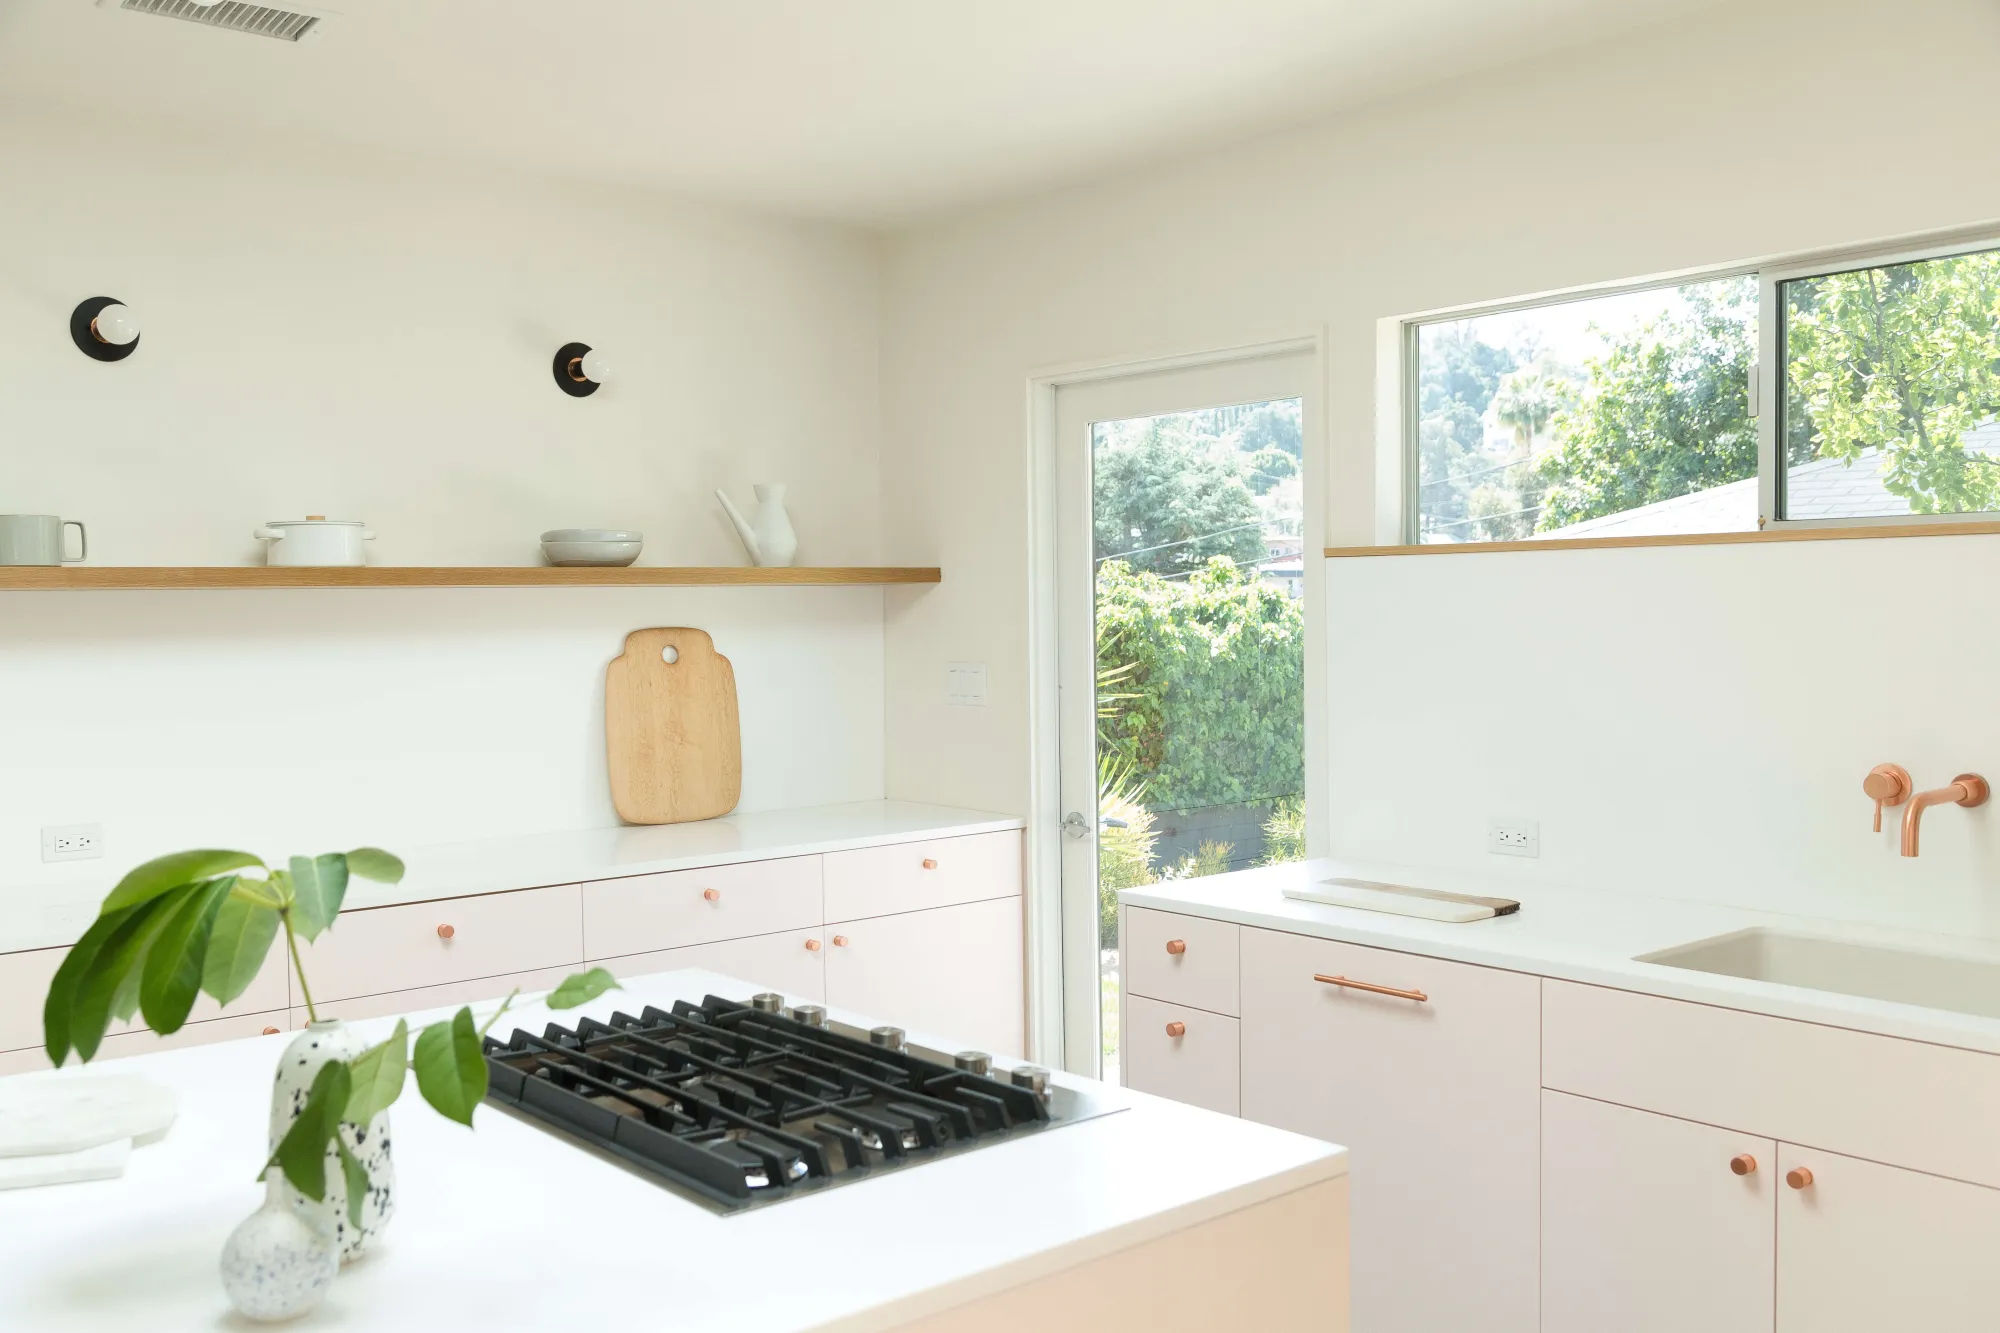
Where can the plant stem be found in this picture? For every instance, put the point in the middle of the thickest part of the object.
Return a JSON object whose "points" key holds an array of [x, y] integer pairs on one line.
{"points": [[501, 1010], [298, 968]]}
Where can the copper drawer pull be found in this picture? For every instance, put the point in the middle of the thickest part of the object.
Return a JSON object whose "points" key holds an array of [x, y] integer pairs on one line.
{"points": [[840, 941], [1176, 947], [1372, 988], [812, 946], [270, 1032], [1743, 1164], [711, 895], [1176, 1029], [930, 863], [1799, 1177], [446, 932]]}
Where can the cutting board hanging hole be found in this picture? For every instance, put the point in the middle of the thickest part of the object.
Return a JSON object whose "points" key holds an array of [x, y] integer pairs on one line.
{"points": [[670, 654]]}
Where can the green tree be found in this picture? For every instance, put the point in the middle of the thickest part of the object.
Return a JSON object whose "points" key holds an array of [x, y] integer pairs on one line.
{"points": [[1665, 411], [1167, 500], [1524, 403], [1904, 358], [1458, 375]]}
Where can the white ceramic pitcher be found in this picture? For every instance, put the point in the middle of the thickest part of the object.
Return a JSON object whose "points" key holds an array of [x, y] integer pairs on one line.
{"points": [[769, 537]]}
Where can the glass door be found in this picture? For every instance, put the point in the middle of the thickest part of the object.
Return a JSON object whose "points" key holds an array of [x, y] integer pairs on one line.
{"points": [[1182, 648]]}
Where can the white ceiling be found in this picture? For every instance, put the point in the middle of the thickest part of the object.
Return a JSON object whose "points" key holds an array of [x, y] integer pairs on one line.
{"points": [[873, 111]]}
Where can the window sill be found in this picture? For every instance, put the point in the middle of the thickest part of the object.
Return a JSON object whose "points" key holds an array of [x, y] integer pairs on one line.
{"points": [[1850, 532]]}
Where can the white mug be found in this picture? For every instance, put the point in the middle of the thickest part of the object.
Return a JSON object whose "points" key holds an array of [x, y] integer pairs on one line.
{"points": [[37, 539]]}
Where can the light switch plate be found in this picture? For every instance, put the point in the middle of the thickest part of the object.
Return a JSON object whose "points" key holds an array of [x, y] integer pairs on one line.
{"points": [[965, 684], [1514, 837]]}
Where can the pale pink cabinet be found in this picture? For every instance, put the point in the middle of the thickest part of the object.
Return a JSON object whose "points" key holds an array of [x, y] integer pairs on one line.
{"points": [[1864, 1247], [1652, 1224], [1180, 1052], [790, 962], [1439, 1101], [954, 973]]}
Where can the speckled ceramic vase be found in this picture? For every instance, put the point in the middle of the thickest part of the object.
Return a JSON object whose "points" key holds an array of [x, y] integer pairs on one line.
{"points": [[277, 1265], [330, 1039]]}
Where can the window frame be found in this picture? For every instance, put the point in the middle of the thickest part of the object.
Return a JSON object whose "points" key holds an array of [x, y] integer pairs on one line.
{"points": [[1766, 387]]}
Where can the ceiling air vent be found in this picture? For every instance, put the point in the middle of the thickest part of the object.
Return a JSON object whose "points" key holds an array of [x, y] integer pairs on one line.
{"points": [[286, 25]]}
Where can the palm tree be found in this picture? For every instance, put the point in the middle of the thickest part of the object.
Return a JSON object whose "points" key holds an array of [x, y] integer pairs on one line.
{"points": [[1524, 403]]}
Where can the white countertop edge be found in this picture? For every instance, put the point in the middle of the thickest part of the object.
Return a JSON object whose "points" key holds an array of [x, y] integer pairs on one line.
{"points": [[49, 917], [1074, 1254], [1629, 926]]}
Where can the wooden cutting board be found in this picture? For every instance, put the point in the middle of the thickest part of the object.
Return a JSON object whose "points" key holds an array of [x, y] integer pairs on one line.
{"points": [[670, 729]]}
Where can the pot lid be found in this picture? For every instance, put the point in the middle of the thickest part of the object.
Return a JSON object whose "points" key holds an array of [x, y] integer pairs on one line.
{"points": [[315, 521]]}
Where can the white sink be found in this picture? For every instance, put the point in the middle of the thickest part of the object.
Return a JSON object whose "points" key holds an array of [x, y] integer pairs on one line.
{"points": [[1935, 981]]}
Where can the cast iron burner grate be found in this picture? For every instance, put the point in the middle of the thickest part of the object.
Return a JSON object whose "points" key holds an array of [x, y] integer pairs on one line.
{"points": [[738, 1106]]}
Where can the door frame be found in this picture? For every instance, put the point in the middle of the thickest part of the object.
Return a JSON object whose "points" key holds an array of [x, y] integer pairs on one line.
{"points": [[1056, 1037]]}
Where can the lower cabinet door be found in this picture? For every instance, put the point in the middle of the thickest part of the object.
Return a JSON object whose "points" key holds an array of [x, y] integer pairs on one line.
{"points": [[788, 962], [951, 973], [1434, 1087], [1864, 1247], [1652, 1224], [1189, 1055]]}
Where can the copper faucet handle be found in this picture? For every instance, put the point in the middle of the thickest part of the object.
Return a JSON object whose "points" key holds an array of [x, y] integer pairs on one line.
{"points": [[1976, 790], [1886, 784]]}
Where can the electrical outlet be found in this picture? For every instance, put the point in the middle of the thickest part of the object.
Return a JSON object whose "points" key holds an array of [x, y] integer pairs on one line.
{"points": [[72, 842], [965, 684], [1514, 837]]}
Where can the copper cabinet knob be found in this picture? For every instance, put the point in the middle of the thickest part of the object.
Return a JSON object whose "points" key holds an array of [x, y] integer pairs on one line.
{"points": [[1799, 1177], [840, 941], [711, 895], [1176, 1029], [930, 863], [270, 1032], [446, 932], [1177, 947], [812, 946], [1743, 1164]]}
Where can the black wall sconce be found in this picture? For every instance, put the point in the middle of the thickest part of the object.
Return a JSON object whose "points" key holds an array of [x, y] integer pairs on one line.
{"points": [[579, 370], [104, 329]]}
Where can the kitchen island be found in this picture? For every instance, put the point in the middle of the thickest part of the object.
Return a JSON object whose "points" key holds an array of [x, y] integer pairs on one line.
{"points": [[1158, 1215]]}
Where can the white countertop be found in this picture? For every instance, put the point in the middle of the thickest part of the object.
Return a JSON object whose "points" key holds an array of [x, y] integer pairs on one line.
{"points": [[52, 918], [510, 1227], [1594, 938]]}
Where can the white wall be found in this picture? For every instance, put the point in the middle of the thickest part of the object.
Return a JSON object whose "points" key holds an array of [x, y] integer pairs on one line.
{"points": [[364, 338], [1760, 129]]}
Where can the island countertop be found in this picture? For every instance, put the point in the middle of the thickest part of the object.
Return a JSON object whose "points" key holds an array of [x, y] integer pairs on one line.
{"points": [[509, 1226]]}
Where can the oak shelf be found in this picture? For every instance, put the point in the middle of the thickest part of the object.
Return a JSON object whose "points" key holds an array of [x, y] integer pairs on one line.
{"points": [[74, 578]]}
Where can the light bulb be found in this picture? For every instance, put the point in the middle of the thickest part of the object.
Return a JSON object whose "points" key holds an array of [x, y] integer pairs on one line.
{"points": [[596, 367], [117, 325]]}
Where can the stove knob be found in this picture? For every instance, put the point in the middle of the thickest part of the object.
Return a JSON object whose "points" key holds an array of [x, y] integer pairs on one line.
{"points": [[1032, 1077], [811, 1015], [767, 1002], [974, 1062], [888, 1038]]}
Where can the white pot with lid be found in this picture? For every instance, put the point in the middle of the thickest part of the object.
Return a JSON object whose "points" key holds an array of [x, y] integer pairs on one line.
{"points": [[315, 540]]}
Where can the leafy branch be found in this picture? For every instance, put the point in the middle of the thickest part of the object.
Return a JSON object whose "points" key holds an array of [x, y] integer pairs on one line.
{"points": [[196, 922]]}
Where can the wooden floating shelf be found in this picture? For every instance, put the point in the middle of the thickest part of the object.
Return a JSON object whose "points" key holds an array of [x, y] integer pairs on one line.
{"points": [[79, 578]]}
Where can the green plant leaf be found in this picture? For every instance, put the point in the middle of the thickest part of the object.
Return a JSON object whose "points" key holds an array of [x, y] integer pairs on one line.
{"points": [[581, 988], [75, 966], [237, 946], [318, 886], [376, 864], [170, 872], [451, 1071], [378, 1076], [112, 970], [172, 974], [357, 1182], [301, 1154]]}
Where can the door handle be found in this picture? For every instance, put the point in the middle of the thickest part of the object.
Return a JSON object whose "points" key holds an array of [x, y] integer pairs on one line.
{"points": [[1075, 825]]}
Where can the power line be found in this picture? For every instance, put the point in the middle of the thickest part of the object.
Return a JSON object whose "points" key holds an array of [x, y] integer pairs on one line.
{"points": [[1187, 541]]}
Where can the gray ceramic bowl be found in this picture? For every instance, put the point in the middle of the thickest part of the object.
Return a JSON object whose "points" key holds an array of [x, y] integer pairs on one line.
{"points": [[591, 546]]}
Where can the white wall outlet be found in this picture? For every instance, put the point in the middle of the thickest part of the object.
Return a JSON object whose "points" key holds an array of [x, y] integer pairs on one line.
{"points": [[1514, 837], [965, 684], [72, 842]]}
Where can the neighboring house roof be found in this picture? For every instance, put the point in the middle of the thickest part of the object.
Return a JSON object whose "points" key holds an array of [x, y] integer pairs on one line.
{"points": [[1827, 488]]}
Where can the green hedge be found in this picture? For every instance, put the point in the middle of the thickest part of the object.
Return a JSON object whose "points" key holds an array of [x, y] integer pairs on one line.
{"points": [[1215, 674]]}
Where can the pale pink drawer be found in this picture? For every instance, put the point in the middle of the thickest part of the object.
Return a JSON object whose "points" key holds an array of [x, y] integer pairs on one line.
{"points": [[1181, 959], [910, 876], [476, 992], [118, 1045], [682, 907], [791, 963], [456, 939], [1904, 1103], [1183, 1053], [25, 977]]}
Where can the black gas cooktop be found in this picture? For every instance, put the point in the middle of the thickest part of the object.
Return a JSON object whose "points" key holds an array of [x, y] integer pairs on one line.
{"points": [[737, 1105]]}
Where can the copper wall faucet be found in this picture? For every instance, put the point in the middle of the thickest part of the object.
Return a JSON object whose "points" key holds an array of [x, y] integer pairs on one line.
{"points": [[1889, 784]]}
